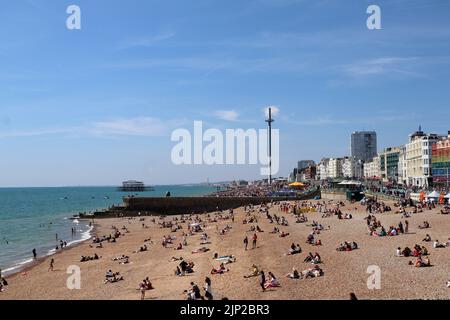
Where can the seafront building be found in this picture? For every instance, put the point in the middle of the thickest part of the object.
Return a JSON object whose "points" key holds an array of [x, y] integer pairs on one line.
{"points": [[364, 145], [322, 169], [389, 162], [335, 168], [304, 164], [402, 166], [372, 169], [352, 168], [419, 158], [441, 162]]}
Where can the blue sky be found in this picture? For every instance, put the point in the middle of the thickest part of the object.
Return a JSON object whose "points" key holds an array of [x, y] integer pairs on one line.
{"points": [[97, 106]]}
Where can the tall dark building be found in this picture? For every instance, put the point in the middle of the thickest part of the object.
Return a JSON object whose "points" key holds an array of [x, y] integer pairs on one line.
{"points": [[364, 145]]}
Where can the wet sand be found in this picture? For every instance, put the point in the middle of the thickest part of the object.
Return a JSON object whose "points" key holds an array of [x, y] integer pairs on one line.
{"points": [[345, 272]]}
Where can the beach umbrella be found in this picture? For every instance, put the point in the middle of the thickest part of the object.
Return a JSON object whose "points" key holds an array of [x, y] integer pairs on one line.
{"points": [[297, 184]]}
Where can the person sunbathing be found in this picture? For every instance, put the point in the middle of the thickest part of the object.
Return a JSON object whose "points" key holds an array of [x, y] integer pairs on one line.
{"points": [[275, 230], [310, 239], [175, 259], [295, 249], [422, 263], [201, 250], [272, 282], [220, 270], [406, 252], [111, 277], [438, 245], [228, 259], [284, 235], [294, 274], [179, 247], [315, 272], [425, 225], [255, 272]]}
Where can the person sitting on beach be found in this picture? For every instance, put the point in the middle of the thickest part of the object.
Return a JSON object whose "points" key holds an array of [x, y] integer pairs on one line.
{"points": [[295, 249], [272, 282], [399, 252], [310, 239], [275, 230], [255, 272], [315, 272], [406, 252], [194, 292], [438, 245], [179, 247], [417, 252], [427, 238], [284, 235], [422, 262], [425, 225], [295, 275], [111, 277], [220, 270]]}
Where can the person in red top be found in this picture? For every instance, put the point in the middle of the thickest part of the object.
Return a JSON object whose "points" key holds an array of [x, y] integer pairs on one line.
{"points": [[255, 239]]}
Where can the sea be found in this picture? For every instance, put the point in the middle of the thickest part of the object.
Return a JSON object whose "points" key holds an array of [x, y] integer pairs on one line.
{"points": [[38, 218]]}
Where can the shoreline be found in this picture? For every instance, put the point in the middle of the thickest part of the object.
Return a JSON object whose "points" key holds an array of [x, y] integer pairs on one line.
{"points": [[26, 267]]}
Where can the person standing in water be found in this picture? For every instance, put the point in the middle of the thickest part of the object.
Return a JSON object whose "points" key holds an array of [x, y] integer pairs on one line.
{"points": [[34, 254]]}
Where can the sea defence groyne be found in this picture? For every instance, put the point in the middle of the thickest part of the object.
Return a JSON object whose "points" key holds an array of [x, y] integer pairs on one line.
{"points": [[148, 206]]}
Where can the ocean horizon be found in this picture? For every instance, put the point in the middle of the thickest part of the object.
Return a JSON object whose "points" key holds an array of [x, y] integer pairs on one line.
{"points": [[39, 217]]}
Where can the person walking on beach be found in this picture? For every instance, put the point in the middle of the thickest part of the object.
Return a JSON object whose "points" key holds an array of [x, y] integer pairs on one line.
{"points": [[34, 254], [406, 227], [52, 265], [262, 280], [255, 239], [208, 290], [246, 243], [142, 289]]}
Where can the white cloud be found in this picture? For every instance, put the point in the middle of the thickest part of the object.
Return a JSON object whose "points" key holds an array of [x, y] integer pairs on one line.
{"points": [[275, 111], [138, 126], [227, 115], [379, 66], [147, 41]]}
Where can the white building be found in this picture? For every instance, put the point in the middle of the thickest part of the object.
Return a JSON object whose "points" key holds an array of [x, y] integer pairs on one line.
{"points": [[402, 166], [372, 170], [335, 168], [322, 169], [352, 168], [418, 158]]}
